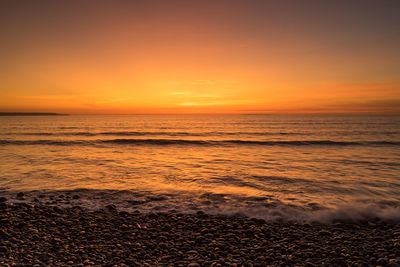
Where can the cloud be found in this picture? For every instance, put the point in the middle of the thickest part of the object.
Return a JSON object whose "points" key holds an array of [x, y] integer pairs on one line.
{"points": [[211, 103], [48, 97], [334, 89], [180, 93], [203, 82], [109, 101], [195, 95]]}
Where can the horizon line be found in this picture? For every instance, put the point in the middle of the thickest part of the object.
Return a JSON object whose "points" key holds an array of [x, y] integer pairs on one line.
{"points": [[140, 114]]}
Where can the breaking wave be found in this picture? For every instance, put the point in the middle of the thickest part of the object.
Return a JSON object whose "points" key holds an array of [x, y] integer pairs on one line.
{"points": [[266, 208]]}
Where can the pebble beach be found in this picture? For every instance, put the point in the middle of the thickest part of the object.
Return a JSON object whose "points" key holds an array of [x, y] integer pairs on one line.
{"points": [[45, 235]]}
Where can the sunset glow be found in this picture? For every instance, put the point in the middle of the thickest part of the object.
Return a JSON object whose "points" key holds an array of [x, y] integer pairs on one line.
{"points": [[199, 133], [135, 57]]}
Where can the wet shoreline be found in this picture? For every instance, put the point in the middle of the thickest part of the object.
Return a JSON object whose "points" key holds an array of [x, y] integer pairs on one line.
{"points": [[268, 207]]}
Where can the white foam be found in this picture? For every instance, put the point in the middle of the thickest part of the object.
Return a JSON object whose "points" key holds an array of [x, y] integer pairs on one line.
{"points": [[148, 202]]}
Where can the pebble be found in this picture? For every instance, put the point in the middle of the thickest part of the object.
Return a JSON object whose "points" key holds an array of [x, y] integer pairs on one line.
{"points": [[55, 236]]}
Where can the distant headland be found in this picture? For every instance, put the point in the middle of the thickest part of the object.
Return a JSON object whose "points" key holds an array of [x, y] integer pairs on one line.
{"points": [[30, 114]]}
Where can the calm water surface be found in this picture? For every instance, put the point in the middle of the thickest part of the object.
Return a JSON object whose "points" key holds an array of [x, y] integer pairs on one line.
{"points": [[268, 166]]}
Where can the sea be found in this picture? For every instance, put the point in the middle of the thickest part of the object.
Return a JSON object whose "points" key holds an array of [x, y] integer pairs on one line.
{"points": [[275, 167]]}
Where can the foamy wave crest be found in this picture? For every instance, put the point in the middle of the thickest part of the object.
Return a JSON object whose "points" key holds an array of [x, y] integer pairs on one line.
{"points": [[266, 208], [356, 213], [346, 213]]}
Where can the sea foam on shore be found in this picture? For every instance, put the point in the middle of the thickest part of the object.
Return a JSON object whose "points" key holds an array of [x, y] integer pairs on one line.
{"points": [[265, 208]]}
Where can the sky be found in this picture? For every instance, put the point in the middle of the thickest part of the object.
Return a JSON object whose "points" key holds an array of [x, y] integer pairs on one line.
{"points": [[145, 57]]}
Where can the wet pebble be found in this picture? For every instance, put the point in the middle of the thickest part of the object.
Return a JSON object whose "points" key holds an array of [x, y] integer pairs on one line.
{"points": [[48, 236]]}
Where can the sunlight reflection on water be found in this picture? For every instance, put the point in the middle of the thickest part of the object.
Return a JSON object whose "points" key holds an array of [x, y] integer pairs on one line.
{"points": [[324, 161]]}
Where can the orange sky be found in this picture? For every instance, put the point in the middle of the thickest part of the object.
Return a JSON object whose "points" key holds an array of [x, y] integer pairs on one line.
{"points": [[128, 57]]}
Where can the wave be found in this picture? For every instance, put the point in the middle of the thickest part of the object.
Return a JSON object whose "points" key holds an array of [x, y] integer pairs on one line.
{"points": [[140, 133], [199, 142], [268, 208], [43, 142], [194, 134]]}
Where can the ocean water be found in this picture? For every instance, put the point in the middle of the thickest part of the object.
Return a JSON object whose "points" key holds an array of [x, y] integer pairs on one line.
{"points": [[290, 167]]}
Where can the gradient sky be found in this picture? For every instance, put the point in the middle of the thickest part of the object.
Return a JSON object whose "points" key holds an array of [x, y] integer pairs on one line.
{"points": [[127, 57]]}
